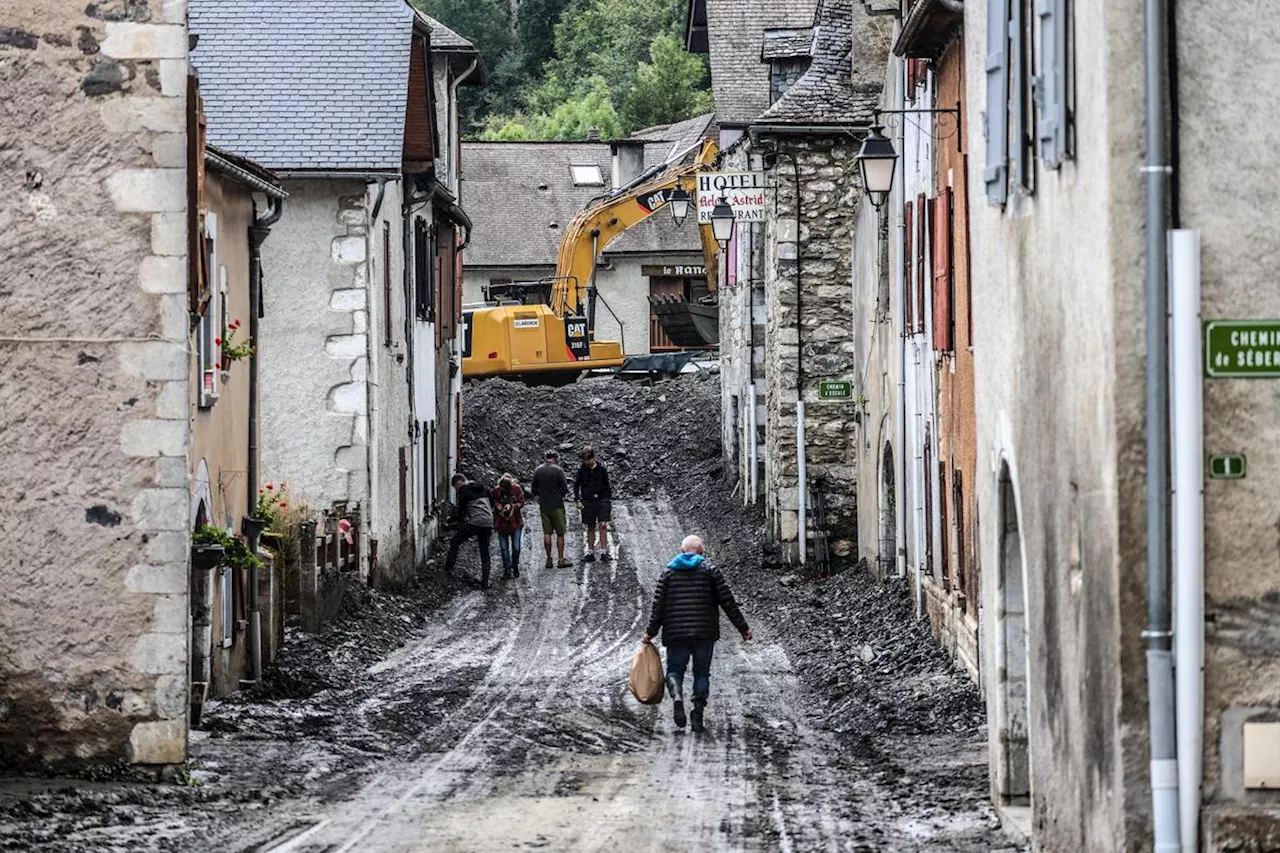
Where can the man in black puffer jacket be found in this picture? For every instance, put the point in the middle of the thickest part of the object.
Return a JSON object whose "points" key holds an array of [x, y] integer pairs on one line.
{"points": [[475, 519], [686, 607]]}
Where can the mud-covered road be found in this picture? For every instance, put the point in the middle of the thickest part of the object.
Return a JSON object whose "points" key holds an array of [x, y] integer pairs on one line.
{"points": [[450, 719]]}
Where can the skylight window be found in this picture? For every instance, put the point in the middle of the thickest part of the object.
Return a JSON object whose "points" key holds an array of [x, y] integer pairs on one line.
{"points": [[586, 175]]}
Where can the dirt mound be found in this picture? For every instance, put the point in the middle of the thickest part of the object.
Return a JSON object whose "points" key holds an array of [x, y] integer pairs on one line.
{"points": [[665, 435]]}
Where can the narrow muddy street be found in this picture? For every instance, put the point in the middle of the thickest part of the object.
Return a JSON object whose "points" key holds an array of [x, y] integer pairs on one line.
{"points": [[475, 721]]}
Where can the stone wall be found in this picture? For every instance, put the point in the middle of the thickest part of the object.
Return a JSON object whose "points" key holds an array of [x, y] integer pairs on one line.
{"points": [[93, 383], [313, 352], [819, 251]]}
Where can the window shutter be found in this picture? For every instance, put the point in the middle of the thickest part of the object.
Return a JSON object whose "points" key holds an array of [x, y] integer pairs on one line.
{"points": [[922, 237], [943, 336], [1051, 95], [908, 268], [997, 105], [1019, 162], [404, 488]]}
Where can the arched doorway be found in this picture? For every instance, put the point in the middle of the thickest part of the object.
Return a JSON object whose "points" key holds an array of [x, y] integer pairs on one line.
{"points": [[888, 514], [1012, 763]]}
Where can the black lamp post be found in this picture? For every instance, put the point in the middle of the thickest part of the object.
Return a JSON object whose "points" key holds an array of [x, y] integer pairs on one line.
{"points": [[877, 160], [679, 204], [722, 222]]}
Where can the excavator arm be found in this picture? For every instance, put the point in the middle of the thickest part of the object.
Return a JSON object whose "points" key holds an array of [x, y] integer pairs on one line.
{"points": [[592, 230]]}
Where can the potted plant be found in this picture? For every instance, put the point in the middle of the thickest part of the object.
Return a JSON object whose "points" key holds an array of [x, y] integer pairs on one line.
{"points": [[208, 546], [231, 350], [252, 528]]}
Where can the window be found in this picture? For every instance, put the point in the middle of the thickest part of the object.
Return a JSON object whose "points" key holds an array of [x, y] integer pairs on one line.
{"points": [[386, 284], [211, 321], [586, 175], [994, 173], [908, 270], [1052, 81], [943, 291], [425, 304], [228, 607]]}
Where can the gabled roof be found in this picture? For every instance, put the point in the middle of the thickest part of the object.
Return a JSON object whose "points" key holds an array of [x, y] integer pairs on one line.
{"points": [[521, 197], [735, 33], [305, 84], [680, 135], [443, 38], [826, 94]]}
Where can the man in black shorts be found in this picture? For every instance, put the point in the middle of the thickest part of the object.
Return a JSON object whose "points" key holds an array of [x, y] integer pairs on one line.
{"points": [[591, 491], [550, 486]]}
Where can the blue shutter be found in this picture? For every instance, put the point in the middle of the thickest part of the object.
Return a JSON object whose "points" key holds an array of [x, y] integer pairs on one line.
{"points": [[995, 172], [1051, 118], [1019, 163]]}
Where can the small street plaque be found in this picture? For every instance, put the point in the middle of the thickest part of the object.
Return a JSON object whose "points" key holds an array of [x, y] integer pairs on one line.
{"points": [[1243, 349], [833, 389], [1227, 466]]}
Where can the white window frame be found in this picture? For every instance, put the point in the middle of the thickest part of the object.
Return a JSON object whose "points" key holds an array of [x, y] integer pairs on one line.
{"points": [[584, 182], [208, 354], [228, 607]]}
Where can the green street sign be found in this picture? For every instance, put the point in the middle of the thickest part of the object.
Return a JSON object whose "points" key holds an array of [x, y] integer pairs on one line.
{"points": [[1242, 349], [832, 389], [1227, 466]]}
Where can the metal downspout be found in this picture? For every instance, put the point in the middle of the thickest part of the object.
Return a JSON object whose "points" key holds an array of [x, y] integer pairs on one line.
{"points": [[904, 460], [258, 232], [1158, 634]]}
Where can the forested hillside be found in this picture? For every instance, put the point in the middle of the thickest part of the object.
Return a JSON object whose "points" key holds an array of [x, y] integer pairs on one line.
{"points": [[561, 67]]}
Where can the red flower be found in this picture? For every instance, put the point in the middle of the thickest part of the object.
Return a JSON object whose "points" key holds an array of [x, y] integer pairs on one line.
{"points": [[283, 487], [283, 505], [270, 487], [260, 491], [218, 341], [235, 324]]}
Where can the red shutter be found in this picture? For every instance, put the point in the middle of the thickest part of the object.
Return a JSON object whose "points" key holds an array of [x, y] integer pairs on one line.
{"points": [[908, 264], [922, 234], [943, 336]]}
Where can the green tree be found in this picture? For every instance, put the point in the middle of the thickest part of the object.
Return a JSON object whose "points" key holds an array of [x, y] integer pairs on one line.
{"points": [[572, 119], [669, 88], [487, 25], [535, 30]]}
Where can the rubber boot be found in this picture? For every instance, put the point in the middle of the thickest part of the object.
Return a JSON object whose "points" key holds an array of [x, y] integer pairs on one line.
{"points": [[675, 686], [699, 703]]}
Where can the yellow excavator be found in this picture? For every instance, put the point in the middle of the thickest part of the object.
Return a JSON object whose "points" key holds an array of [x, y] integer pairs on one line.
{"points": [[554, 336]]}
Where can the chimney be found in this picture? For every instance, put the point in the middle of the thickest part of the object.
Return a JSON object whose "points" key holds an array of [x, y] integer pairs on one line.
{"points": [[593, 134], [628, 160]]}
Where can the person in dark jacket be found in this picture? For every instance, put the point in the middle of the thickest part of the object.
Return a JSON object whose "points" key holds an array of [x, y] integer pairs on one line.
{"points": [[475, 518], [686, 608], [595, 499]]}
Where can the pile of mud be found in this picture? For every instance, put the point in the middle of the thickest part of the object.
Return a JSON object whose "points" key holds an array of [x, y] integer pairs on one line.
{"points": [[854, 639], [662, 436]]}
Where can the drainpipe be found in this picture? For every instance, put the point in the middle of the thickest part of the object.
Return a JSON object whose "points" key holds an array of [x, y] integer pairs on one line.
{"points": [[1158, 634], [452, 133], [258, 232], [904, 461], [1188, 514]]}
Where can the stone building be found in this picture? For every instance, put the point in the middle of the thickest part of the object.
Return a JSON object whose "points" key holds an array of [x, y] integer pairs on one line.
{"points": [[1058, 234], [94, 385], [355, 107], [523, 194], [787, 320]]}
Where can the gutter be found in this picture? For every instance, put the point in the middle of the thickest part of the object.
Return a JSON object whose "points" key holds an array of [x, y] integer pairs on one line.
{"points": [[218, 162], [809, 129], [339, 174]]}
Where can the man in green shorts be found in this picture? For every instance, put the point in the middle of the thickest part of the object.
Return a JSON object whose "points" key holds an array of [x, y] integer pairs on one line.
{"points": [[550, 486]]}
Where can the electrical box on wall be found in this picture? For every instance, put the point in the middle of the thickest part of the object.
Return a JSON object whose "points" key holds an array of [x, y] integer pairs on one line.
{"points": [[1262, 755]]}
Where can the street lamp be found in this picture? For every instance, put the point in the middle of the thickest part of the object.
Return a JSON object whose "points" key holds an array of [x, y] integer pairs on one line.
{"points": [[722, 222], [877, 159], [679, 205]]}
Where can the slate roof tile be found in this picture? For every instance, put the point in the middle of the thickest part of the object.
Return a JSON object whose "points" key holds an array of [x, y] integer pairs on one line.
{"points": [[735, 31], [305, 83]]}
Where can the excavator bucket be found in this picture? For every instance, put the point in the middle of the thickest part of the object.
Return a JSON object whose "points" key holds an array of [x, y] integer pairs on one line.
{"points": [[687, 324]]}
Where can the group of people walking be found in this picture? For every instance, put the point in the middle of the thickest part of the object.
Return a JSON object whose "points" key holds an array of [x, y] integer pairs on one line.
{"points": [[482, 511], [687, 599]]}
